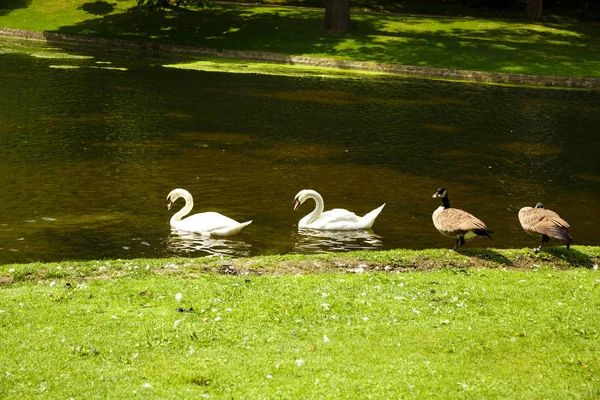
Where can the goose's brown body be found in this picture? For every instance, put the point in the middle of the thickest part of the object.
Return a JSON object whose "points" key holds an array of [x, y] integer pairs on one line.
{"points": [[456, 223], [547, 223]]}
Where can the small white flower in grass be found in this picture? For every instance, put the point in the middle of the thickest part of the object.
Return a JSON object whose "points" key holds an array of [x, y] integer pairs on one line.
{"points": [[146, 385], [178, 297], [13, 270], [229, 309], [1, 311], [269, 376], [52, 283], [176, 323], [365, 319], [416, 311], [325, 306], [114, 317], [299, 362], [325, 339], [217, 318]]}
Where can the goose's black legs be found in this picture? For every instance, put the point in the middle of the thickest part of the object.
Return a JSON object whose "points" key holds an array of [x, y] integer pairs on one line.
{"points": [[545, 239], [460, 240]]}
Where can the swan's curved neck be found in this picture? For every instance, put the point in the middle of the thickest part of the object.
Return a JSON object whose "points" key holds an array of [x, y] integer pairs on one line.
{"points": [[319, 207], [189, 204]]}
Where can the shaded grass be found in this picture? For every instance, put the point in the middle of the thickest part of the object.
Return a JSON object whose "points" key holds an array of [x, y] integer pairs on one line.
{"points": [[450, 333], [553, 49]]}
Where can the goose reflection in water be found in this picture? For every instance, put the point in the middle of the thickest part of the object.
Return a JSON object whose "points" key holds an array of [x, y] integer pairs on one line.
{"points": [[318, 241], [188, 242]]}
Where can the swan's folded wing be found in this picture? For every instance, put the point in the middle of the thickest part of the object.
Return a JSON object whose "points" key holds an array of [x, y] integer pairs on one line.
{"points": [[338, 215], [207, 222]]}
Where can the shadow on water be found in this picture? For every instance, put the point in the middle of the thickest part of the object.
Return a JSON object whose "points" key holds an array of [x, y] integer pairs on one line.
{"points": [[6, 6], [316, 241], [181, 242]]}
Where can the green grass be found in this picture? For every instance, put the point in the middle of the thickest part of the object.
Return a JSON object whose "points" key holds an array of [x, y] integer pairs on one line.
{"points": [[114, 329], [553, 48]]}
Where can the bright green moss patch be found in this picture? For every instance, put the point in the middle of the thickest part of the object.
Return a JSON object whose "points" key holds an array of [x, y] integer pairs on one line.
{"points": [[236, 67]]}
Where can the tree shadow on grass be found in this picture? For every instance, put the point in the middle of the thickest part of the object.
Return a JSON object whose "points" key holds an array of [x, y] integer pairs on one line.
{"points": [[408, 41], [6, 6], [98, 7]]}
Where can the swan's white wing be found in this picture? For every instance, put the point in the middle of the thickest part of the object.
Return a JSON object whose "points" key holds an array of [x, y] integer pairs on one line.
{"points": [[337, 218], [206, 222]]}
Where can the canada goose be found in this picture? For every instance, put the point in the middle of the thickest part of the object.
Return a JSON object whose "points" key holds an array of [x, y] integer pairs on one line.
{"points": [[456, 223], [540, 221]]}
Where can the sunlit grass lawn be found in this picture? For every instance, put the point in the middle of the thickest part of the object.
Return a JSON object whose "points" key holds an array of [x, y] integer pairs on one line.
{"points": [[556, 49], [116, 330]]}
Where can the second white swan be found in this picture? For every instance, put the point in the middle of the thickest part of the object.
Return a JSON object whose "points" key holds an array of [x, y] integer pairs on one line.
{"points": [[206, 223], [336, 219]]}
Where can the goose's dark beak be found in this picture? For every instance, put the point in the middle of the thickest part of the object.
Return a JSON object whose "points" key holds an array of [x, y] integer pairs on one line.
{"points": [[296, 204]]}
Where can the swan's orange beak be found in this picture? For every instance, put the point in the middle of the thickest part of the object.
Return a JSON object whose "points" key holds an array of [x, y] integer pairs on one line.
{"points": [[169, 204], [296, 204]]}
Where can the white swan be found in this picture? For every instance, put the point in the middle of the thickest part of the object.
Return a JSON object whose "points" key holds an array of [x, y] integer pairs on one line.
{"points": [[207, 223], [336, 219]]}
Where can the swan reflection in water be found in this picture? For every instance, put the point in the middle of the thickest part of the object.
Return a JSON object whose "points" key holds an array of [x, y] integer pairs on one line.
{"points": [[319, 241], [188, 242]]}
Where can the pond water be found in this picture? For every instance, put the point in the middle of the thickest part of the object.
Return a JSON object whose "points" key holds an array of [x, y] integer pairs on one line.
{"points": [[89, 154]]}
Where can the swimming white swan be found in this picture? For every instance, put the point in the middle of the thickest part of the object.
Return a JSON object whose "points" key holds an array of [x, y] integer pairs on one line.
{"points": [[336, 219], [207, 223]]}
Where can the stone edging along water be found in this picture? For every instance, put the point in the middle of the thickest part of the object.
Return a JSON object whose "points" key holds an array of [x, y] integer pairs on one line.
{"points": [[406, 70]]}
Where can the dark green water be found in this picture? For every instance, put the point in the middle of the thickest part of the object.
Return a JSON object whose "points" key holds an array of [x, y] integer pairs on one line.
{"points": [[88, 155]]}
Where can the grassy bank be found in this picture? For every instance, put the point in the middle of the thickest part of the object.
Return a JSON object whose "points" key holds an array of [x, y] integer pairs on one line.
{"points": [[553, 49], [270, 327], [391, 261]]}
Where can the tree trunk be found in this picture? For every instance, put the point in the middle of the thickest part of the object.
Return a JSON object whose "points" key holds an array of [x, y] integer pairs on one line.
{"points": [[534, 10], [337, 15]]}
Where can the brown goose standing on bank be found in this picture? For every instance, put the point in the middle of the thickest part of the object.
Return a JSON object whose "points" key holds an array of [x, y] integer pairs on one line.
{"points": [[539, 221], [456, 223]]}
